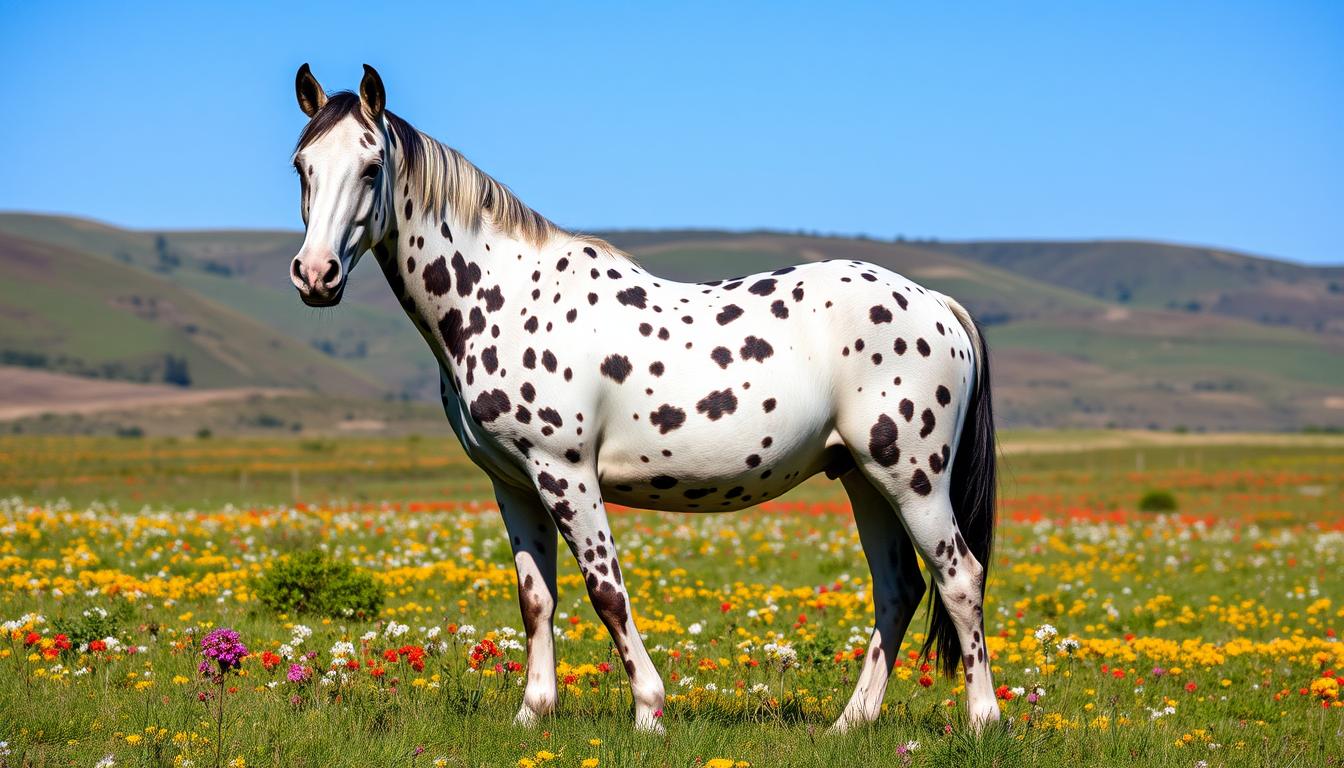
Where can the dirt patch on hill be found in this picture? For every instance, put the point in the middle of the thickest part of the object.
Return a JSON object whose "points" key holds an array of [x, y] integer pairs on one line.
{"points": [[25, 392]]}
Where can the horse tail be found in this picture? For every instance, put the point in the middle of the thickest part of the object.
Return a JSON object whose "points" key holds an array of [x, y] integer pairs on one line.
{"points": [[972, 491]]}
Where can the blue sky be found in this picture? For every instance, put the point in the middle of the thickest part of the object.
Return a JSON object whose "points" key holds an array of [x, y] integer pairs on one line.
{"points": [[1219, 123]]}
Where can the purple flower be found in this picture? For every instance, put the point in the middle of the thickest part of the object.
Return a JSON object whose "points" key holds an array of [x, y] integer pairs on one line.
{"points": [[224, 647], [299, 673]]}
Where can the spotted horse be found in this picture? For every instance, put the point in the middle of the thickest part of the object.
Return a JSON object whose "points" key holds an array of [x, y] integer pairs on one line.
{"points": [[575, 378]]}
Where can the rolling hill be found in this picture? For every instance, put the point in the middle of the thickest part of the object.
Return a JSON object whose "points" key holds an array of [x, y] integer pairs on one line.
{"points": [[1083, 334], [73, 312]]}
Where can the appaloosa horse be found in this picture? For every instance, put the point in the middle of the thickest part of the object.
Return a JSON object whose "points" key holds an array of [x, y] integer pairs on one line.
{"points": [[573, 378]]}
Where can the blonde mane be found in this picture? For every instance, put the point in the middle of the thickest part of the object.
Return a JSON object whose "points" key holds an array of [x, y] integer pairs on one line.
{"points": [[443, 179]]}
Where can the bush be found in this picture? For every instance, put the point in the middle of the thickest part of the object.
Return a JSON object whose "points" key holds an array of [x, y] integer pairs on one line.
{"points": [[1158, 501], [311, 582], [92, 623]]}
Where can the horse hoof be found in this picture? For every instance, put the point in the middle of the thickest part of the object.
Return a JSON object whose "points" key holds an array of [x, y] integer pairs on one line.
{"points": [[526, 717], [649, 725]]}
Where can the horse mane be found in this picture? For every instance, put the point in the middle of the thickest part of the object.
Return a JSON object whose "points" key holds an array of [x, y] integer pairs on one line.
{"points": [[443, 178]]}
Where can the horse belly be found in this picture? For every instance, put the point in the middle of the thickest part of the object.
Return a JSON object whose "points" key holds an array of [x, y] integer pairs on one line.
{"points": [[717, 468]]}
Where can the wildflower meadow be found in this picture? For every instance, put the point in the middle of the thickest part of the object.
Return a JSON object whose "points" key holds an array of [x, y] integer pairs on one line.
{"points": [[1123, 631]]}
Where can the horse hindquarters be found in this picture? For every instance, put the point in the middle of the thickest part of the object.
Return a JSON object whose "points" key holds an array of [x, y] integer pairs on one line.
{"points": [[940, 481]]}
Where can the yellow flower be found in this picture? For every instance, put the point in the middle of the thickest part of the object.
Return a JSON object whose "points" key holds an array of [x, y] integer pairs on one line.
{"points": [[590, 762], [133, 739], [1325, 688]]}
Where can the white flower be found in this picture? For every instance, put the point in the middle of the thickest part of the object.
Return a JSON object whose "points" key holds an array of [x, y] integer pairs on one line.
{"points": [[1068, 645], [394, 629], [781, 653], [911, 746], [1045, 633], [467, 630], [106, 762], [760, 688], [695, 628], [369, 636], [286, 652]]}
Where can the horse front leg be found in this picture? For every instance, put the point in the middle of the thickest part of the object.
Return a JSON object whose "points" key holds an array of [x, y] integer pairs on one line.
{"points": [[532, 536], [575, 504]]}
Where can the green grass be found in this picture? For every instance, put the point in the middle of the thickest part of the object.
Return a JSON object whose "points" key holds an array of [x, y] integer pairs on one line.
{"points": [[1236, 593]]}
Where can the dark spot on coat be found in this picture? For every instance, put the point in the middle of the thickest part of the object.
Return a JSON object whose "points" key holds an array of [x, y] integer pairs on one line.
{"points": [[763, 287], [879, 314], [667, 418], [944, 397], [494, 299], [923, 347], [920, 484], [907, 409], [721, 355], [756, 349], [489, 405], [928, 422], [633, 297], [728, 314], [616, 368], [436, 277], [882, 441], [717, 403], [466, 274]]}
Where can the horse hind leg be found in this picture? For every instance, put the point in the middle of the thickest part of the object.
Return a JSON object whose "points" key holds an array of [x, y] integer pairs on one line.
{"points": [[897, 590], [927, 515]]}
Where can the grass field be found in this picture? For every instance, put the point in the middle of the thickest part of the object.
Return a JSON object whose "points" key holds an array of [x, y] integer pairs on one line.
{"points": [[1203, 636]]}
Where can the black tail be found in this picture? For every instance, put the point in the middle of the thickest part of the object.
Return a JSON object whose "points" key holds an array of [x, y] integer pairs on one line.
{"points": [[973, 489]]}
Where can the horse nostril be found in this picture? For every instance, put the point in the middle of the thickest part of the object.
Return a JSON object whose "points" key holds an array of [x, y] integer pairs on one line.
{"points": [[333, 271], [296, 271]]}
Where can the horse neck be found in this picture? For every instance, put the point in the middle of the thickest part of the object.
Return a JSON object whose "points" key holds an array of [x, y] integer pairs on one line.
{"points": [[476, 262]]}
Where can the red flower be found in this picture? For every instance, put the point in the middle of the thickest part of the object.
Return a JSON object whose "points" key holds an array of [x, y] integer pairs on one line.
{"points": [[604, 667], [32, 638], [1003, 692], [725, 607], [571, 679], [1190, 686], [97, 645], [925, 681], [270, 660]]}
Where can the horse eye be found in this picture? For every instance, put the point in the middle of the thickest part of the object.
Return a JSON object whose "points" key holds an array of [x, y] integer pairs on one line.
{"points": [[371, 171]]}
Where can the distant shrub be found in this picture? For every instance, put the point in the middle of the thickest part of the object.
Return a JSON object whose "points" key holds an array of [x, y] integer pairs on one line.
{"points": [[92, 623], [1158, 501], [312, 582]]}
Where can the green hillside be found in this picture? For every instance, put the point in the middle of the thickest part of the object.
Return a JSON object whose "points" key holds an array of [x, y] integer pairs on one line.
{"points": [[68, 311], [1066, 352], [1166, 276]]}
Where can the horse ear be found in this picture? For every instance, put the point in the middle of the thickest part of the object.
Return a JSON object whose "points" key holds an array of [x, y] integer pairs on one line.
{"points": [[371, 93], [310, 93]]}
